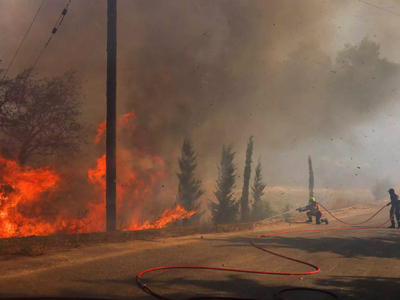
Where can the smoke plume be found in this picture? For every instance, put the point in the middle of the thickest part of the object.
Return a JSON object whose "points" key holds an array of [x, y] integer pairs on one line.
{"points": [[220, 71]]}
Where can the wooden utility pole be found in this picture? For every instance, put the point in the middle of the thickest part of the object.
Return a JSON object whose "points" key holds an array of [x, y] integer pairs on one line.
{"points": [[111, 137]]}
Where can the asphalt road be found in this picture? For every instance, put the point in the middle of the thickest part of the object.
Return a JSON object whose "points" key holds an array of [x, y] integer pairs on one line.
{"points": [[355, 264]]}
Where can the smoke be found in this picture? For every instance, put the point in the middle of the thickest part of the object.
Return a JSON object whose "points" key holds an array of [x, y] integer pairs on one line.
{"points": [[380, 189], [220, 71]]}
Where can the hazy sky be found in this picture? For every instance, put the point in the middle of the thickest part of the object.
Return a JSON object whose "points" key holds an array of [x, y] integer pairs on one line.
{"points": [[220, 71]]}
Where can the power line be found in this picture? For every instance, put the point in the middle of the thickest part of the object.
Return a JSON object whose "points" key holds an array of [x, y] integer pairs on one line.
{"points": [[26, 34], [381, 8], [55, 28]]}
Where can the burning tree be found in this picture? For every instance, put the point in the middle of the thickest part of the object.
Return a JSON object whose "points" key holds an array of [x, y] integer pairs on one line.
{"points": [[226, 210], [311, 177], [39, 117], [260, 209], [244, 200], [42, 201], [189, 187]]}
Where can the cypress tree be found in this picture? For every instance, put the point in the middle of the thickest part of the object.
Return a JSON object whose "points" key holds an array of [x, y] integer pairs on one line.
{"points": [[226, 209], [260, 209], [311, 177], [244, 201], [189, 188]]}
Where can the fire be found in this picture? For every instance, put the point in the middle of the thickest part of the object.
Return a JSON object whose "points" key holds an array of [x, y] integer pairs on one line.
{"points": [[98, 174], [123, 121], [23, 186], [170, 215], [136, 180], [26, 192]]}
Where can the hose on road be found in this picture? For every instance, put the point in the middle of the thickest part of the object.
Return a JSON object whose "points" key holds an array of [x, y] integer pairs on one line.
{"points": [[278, 295], [341, 221]]}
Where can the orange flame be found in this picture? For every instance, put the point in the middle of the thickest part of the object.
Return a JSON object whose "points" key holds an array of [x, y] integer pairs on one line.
{"points": [[170, 215], [123, 121], [26, 191], [23, 185], [98, 175], [136, 180]]}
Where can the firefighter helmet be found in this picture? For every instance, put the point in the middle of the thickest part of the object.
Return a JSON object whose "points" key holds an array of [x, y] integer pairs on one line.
{"points": [[312, 199]]}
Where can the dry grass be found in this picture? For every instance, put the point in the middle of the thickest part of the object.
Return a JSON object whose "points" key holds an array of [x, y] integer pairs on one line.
{"points": [[26, 249], [36, 245]]}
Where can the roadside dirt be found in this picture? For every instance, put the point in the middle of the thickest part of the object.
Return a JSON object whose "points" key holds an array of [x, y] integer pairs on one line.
{"points": [[38, 246], [355, 264]]}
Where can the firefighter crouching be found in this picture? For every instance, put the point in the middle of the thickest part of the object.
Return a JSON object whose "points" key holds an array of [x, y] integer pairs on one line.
{"points": [[313, 210]]}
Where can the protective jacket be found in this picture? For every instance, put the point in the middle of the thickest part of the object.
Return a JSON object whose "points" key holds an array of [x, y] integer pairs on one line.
{"points": [[394, 199], [394, 209], [313, 208]]}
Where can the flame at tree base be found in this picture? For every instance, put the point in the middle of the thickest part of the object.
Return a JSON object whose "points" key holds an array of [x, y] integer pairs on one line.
{"points": [[25, 191], [169, 216], [20, 191], [42, 201]]}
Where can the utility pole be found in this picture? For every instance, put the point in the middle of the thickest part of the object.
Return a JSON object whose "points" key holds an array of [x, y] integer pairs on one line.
{"points": [[111, 137]]}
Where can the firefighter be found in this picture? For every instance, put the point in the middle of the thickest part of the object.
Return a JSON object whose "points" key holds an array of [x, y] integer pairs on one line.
{"points": [[395, 209], [313, 210]]}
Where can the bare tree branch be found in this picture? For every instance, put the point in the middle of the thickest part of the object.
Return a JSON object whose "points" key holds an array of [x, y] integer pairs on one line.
{"points": [[39, 116]]}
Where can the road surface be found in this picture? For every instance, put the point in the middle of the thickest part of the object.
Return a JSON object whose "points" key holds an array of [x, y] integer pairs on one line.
{"points": [[355, 264]]}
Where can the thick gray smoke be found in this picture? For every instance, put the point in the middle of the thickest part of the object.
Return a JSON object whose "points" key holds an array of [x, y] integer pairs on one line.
{"points": [[220, 71]]}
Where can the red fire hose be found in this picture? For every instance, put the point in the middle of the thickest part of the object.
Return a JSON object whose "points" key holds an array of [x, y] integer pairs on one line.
{"points": [[350, 223], [278, 295]]}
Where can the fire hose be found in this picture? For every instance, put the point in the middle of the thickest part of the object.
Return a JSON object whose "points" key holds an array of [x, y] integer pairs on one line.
{"points": [[354, 223], [278, 295]]}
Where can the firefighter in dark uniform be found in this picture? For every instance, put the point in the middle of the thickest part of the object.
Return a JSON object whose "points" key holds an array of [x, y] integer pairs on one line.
{"points": [[313, 210], [395, 209]]}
